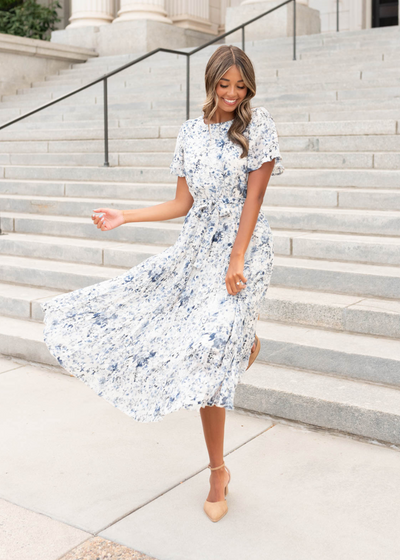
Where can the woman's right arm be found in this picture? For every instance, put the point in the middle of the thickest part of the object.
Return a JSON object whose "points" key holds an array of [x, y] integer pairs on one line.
{"points": [[176, 208]]}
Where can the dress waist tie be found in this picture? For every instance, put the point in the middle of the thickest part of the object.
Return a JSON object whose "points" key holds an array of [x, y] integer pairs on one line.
{"points": [[210, 210]]}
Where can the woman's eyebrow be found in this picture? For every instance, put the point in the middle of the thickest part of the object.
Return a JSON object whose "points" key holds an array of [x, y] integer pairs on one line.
{"points": [[226, 80]]}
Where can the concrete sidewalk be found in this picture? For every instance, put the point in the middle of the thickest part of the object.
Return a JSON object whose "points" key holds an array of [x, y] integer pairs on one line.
{"points": [[81, 480]]}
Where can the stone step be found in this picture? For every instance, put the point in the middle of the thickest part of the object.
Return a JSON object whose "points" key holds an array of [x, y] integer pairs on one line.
{"points": [[371, 53], [71, 116], [368, 51], [23, 302], [339, 277], [304, 244], [269, 84], [299, 160], [136, 145], [368, 222], [305, 159], [173, 99], [342, 129], [343, 247], [91, 129], [354, 178], [88, 189], [314, 197], [72, 250], [331, 149], [375, 74], [355, 407], [337, 220], [354, 356], [358, 135], [328, 310], [348, 114], [309, 274], [74, 160], [24, 339], [116, 86], [345, 144], [128, 115], [161, 233], [335, 80], [374, 57], [59, 276], [372, 316], [27, 237]]}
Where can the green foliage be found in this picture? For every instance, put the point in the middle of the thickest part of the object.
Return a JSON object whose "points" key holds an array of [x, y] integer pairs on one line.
{"points": [[6, 5], [29, 19]]}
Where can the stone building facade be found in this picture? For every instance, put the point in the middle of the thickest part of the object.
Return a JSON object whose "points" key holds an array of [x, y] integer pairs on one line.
{"points": [[209, 15], [113, 27]]}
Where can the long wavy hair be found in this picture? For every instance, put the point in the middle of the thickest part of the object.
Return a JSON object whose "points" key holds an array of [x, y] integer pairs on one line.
{"points": [[220, 61]]}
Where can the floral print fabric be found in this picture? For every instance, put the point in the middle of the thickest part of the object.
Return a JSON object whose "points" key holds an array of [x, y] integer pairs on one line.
{"points": [[166, 334]]}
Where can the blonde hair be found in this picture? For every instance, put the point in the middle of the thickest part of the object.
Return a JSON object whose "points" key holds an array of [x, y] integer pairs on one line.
{"points": [[220, 61]]}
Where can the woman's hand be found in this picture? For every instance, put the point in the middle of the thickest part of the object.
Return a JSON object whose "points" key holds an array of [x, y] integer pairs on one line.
{"points": [[235, 275], [108, 219]]}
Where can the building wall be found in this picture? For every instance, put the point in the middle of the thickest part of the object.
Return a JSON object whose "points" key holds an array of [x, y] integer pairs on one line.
{"points": [[354, 14]]}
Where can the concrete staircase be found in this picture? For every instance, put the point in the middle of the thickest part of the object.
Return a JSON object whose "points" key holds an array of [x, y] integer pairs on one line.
{"points": [[330, 326]]}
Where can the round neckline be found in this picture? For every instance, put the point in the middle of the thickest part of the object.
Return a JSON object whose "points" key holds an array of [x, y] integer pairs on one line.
{"points": [[218, 123]]}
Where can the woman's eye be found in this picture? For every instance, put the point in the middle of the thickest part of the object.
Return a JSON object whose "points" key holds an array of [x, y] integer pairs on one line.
{"points": [[237, 87]]}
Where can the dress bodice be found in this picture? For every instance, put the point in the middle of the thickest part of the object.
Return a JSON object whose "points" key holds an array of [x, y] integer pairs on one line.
{"points": [[211, 162]]}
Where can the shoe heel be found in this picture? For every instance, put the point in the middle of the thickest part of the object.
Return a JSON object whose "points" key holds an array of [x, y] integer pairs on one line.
{"points": [[254, 354]]}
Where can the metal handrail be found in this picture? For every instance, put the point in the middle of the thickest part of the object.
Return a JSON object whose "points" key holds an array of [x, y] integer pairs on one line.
{"points": [[151, 53]]}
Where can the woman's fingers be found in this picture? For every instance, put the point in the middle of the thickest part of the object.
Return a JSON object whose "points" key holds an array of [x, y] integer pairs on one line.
{"points": [[99, 220], [232, 284], [230, 287]]}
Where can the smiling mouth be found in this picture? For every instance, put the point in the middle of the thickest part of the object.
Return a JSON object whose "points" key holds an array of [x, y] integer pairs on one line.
{"points": [[230, 101]]}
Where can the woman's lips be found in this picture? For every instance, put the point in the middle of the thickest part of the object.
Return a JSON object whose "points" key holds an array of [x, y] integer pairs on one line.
{"points": [[230, 102]]}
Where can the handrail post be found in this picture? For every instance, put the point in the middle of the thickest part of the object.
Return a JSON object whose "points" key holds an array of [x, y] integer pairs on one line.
{"points": [[188, 87], [337, 15], [243, 38], [294, 29], [105, 100]]}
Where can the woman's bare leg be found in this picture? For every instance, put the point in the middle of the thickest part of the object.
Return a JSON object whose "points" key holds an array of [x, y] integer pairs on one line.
{"points": [[213, 419]]}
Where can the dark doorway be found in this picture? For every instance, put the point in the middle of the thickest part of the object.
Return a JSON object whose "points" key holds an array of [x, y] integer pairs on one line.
{"points": [[385, 12]]}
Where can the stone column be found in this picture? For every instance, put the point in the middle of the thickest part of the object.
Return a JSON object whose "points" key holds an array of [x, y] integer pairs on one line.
{"points": [[91, 12], [191, 14], [142, 9]]}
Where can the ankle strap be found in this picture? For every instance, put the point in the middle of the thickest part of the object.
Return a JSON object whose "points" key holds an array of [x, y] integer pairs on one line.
{"points": [[215, 468]]}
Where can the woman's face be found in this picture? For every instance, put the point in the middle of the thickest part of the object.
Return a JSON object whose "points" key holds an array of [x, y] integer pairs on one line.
{"points": [[230, 90]]}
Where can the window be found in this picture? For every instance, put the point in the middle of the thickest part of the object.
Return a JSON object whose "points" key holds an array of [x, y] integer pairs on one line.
{"points": [[385, 12]]}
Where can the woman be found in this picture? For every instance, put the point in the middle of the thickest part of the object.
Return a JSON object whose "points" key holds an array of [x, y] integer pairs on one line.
{"points": [[177, 330]]}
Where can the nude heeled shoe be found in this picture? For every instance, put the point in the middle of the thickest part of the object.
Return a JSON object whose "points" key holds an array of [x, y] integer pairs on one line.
{"points": [[254, 354], [216, 510]]}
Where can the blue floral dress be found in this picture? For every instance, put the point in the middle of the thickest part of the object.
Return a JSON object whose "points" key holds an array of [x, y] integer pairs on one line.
{"points": [[166, 334]]}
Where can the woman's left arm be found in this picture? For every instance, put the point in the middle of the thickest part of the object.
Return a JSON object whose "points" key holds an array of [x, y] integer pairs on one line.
{"points": [[256, 187]]}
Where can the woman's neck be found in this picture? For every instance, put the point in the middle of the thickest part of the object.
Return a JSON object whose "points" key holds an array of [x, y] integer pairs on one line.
{"points": [[221, 116]]}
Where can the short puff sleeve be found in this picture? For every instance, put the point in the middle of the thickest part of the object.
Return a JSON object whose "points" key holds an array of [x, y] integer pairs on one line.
{"points": [[263, 142], [177, 165]]}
